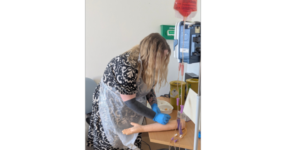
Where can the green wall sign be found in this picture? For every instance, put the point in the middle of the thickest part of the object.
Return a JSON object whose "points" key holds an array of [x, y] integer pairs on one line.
{"points": [[167, 31]]}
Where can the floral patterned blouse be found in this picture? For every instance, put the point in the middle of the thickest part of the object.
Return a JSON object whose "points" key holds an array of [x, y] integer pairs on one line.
{"points": [[121, 74]]}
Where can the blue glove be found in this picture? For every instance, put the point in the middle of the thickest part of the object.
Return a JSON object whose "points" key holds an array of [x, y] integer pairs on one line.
{"points": [[162, 118], [155, 108]]}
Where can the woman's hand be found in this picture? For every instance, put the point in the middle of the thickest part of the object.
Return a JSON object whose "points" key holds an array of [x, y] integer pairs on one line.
{"points": [[135, 129], [162, 118]]}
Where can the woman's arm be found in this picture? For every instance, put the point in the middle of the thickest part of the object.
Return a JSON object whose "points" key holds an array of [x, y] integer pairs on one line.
{"points": [[131, 102], [143, 110], [137, 128], [151, 97]]}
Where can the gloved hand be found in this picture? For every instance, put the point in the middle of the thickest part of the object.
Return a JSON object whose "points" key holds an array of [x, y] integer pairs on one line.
{"points": [[162, 118], [155, 108]]}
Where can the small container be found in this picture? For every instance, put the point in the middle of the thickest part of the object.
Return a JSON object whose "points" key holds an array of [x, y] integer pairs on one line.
{"points": [[166, 109], [164, 106]]}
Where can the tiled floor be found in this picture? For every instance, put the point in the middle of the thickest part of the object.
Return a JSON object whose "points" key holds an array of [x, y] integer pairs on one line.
{"points": [[145, 138]]}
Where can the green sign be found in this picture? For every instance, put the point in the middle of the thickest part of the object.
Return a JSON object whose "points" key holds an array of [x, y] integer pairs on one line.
{"points": [[167, 31], [170, 32]]}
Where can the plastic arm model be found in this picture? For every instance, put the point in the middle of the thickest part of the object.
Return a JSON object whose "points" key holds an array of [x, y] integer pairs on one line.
{"points": [[137, 128]]}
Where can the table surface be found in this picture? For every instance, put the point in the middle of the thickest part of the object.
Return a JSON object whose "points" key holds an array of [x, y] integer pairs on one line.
{"points": [[164, 137]]}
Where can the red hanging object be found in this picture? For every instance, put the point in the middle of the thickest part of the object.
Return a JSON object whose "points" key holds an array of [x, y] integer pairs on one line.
{"points": [[185, 7], [181, 68]]}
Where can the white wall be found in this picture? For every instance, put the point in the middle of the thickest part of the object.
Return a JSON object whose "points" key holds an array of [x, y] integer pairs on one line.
{"points": [[113, 27]]}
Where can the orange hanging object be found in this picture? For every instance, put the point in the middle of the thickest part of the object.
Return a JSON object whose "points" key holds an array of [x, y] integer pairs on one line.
{"points": [[181, 68], [185, 7]]}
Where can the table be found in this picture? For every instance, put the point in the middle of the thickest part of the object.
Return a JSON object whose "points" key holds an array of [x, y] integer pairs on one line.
{"points": [[164, 137]]}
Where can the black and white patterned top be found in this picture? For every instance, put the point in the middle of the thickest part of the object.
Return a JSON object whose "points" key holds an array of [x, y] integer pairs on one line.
{"points": [[121, 74]]}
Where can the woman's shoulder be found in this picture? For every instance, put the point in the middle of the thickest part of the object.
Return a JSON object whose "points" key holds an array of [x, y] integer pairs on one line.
{"points": [[119, 60], [126, 60], [121, 74], [121, 64]]}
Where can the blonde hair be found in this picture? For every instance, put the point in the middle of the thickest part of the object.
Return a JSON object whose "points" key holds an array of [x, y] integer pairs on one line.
{"points": [[154, 61]]}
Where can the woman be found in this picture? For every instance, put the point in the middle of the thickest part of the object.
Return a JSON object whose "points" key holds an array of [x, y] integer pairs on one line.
{"points": [[128, 83]]}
